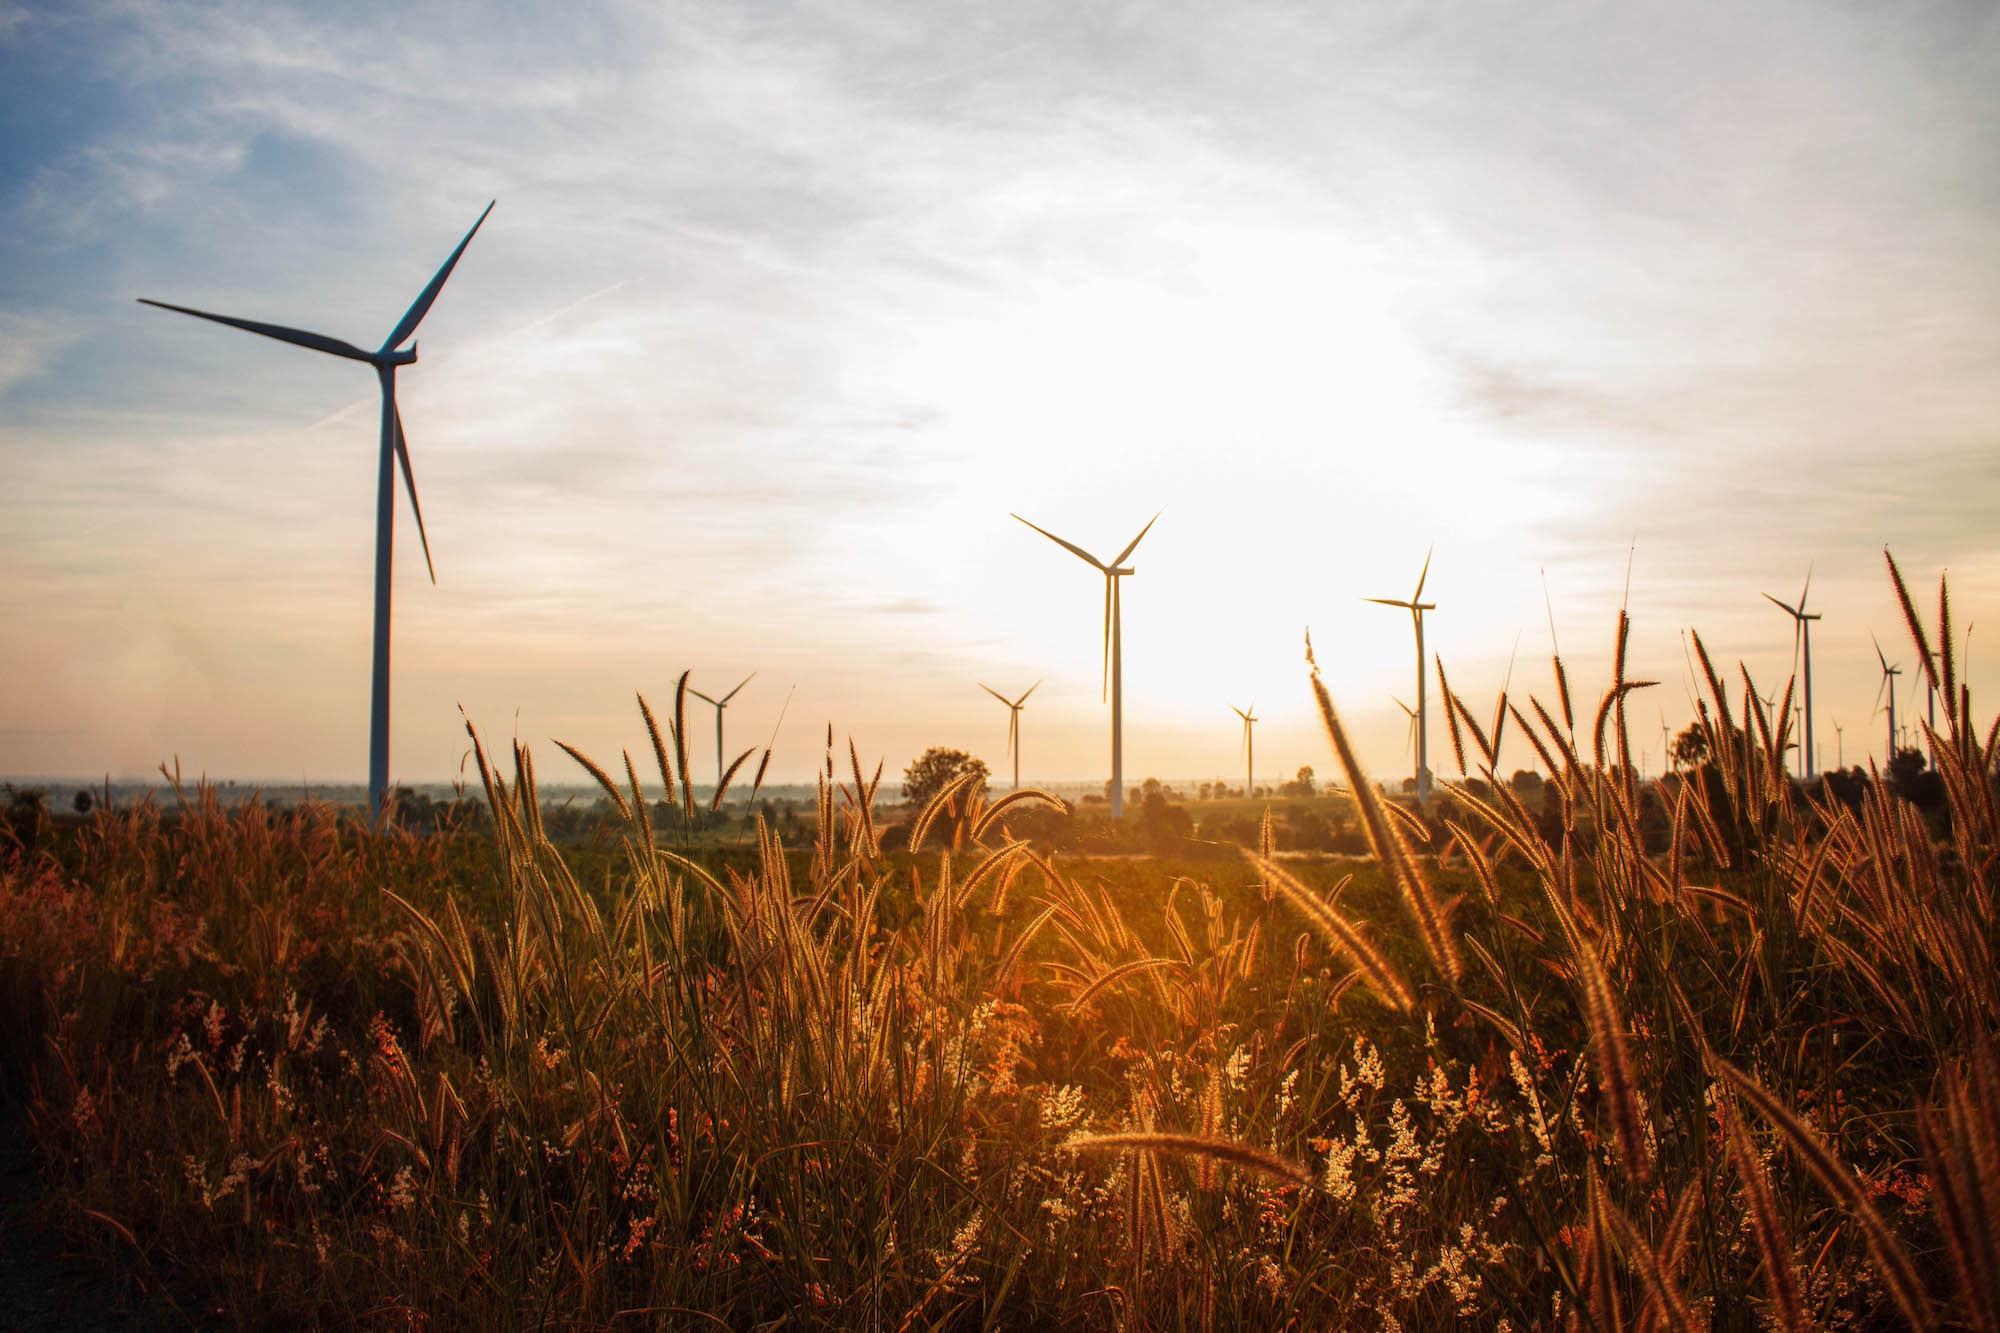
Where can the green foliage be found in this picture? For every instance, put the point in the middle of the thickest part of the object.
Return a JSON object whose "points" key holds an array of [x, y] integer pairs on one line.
{"points": [[935, 769]]}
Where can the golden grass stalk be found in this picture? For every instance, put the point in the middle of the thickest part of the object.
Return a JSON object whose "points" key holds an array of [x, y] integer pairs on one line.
{"points": [[681, 746], [1892, 1261], [1911, 619], [722, 785], [1432, 921], [1663, 1292], [659, 749], [1961, 1144], [1230, 1151], [1451, 717], [1013, 798], [1768, 1228], [603, 778], [1600, 1281], [937, 805], [1614, 1061], [1343, 934]]}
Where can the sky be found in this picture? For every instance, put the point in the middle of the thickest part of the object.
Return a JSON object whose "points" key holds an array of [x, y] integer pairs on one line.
{"points": [[784, 309]]}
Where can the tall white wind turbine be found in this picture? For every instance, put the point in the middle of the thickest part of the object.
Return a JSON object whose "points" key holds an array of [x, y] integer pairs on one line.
{"points": [[1113, 646], [386, 359], [1889, 674], [1802, 639], [1249, 716], [1416, 606], [1013, 723], [720, 705]]}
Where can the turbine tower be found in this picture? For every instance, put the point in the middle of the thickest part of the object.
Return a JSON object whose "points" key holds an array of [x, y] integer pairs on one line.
{"points": [[1889, 674], [721, 704], [1802, 640], [1249, 716], [395, 449], [1113, 646], [1013, 723], [1416, 606]]}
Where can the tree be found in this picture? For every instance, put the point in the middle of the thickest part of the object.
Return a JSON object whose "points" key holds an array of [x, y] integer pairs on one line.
{"points": [[935, 769], [1690, 749]]}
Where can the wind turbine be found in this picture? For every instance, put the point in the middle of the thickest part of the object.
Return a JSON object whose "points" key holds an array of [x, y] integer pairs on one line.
{"points": [[1840, 744], [1802, 637], [1416, 606], [1409, 740], [1889, 674], [1249, 717], [1113, 646], [721, 704], [395, 449], [1013, 723]]}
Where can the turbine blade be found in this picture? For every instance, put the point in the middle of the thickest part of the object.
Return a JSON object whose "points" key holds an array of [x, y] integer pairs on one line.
{"points": [[1878, 651], [1025, 693], [410, 483], [1133, 545], [739, 685], [1390, 601], [1418, 595], [318, 342], [1071, 547], [1789, 610], [995, 693], [422, 305], [1808, 588], [699, 695]]}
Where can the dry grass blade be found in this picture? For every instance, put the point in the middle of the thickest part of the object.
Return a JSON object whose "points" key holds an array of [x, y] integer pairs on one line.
{"points": [[1614, 1062], [1018, 950], [1961, 1144], [1451, 716], [937, 805], [1231, 1151], [1339, 931], [681, 745], [1662, 1291], [1768, 1229], [1013, 798], [659, 749], [722, 785], [603, 778], [1891, 1259], [1119, 973], [1432, 922], [1911, 619]]}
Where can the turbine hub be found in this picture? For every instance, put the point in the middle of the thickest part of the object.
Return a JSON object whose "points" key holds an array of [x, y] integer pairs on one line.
{"points": [[404, 357]]}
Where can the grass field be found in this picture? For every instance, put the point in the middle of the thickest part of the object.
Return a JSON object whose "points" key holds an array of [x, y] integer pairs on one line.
{"points": [[1524, 1070]]}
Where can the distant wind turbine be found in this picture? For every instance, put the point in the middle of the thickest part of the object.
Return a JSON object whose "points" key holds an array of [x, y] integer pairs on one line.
{"points": [[395, 449], [1409, 738], [720, 705], [1113, 646], [1802, 638], [1889, 674], [1013, 723], [1840, 746], [1249, 716], [1416, 606]]}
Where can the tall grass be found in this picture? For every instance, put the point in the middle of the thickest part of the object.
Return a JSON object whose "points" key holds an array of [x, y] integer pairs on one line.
{"points": [[1712, 1052]]}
